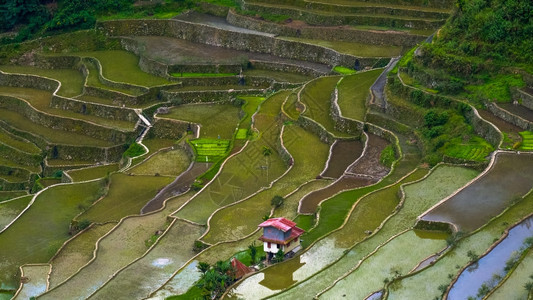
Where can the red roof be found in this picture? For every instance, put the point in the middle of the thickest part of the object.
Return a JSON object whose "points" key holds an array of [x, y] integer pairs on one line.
{"points": [[279, 223], [240, 268]]}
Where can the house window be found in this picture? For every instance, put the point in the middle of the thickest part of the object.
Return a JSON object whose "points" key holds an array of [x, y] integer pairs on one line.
{"points": [[289, 244], [268, 245]]}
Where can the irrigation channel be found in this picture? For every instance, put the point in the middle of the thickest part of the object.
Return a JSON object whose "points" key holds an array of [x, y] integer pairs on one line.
{"points": [[492, 268]]}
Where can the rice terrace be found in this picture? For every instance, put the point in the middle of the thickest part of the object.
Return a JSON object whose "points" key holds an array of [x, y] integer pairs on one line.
{"points": [[266, 149]]}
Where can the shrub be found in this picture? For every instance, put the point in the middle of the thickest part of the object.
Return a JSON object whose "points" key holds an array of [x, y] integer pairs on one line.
{"points": [[277, 201], [134, 150], [387, 156]]}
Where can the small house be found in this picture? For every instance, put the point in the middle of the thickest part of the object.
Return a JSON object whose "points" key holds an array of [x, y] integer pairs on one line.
{"points": [[280, 234], [239, 268]]}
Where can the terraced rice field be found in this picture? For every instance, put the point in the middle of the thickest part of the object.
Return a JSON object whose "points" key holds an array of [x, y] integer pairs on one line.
{"points": [[136, 223]]}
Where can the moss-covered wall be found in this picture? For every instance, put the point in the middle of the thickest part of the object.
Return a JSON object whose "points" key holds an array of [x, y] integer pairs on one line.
{"points": [[19, 157], [86, 153], [283, 67], [89, 108], [60, 123], [372, 18], [509, 117], [206, 96], [204, 34], [168, 129], [398, 3], [327, 33]]}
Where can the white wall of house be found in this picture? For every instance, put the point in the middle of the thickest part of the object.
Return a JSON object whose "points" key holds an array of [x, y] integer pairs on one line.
{"points": [[274, 248]]}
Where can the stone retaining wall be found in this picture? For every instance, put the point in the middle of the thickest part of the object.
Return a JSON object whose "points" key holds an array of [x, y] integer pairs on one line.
{"points": [[89, 108], [60, 123], [327, 33], [114, 84], [483, 128], [205, 34], [525, 98], [86, 153], [447, 4], [19, 157], [289, 68], [56, 62], [168, 129], [314, 18], [205, 68], [509, 117], [206, 96], [28, 81]]}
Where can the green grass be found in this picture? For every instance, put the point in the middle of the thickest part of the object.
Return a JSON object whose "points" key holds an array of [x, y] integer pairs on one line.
{"points": [[357, 49], [38, 233], [171, 163], [495, 88], [71, 80], [210, 150], [52, 135], [317, 98], [194, 293], [92, 172], [202, 74], [527, 140], [215, 119], [353, 92], [134, 150], [344, 71], [18, 142], [122, 66], [126, 196]]}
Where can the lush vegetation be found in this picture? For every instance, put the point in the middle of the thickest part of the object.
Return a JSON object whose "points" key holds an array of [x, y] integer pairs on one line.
{"points": [[210, 150]]}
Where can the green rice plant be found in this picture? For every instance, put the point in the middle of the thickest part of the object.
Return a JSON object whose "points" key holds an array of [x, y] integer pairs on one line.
{"points": [[210, 150], [527, 140], [134, 150], [344, 71], [241, 134], [92, 172], [71, 80], [37, 235], [126, 196], [353, 48], [123, 66], [353, 93]]}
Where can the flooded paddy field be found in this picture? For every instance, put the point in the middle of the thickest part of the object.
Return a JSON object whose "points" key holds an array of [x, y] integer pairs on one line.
{"points": [[507, 180]]}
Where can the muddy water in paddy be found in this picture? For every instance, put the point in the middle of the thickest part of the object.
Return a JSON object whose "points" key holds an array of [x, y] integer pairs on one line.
{"points": [[343, 154], [494, 262], [498, 122], [518, 110], [177, 187], [510, 177], [366, 171]]}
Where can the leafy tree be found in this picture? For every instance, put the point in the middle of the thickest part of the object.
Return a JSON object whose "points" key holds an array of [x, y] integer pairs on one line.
{"points": [[279, 256], [277, 201], [253, 252]]}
